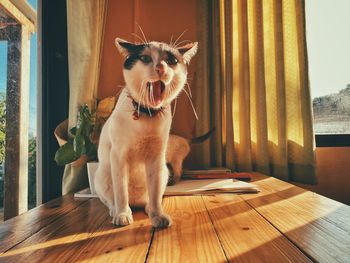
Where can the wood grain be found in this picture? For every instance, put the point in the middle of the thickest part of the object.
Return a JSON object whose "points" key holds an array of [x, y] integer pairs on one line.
{"points": [[245, 235], [17, 14], [55, 242], [17, 229], [317, 225], [191, 238], [117, 244]]}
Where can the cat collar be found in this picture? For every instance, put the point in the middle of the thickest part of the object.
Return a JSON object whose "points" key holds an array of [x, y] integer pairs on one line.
{"points": [[140, 109]]}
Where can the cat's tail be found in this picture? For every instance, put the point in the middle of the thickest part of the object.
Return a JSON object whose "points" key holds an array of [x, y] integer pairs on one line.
{"points": [[203, 137]]}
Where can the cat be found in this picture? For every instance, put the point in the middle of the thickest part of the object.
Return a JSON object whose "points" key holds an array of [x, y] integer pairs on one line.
{"points": [[132, 167], [177, 150]]}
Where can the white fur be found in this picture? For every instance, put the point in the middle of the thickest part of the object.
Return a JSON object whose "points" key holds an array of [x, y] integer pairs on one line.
{"points": [[132, 153]]}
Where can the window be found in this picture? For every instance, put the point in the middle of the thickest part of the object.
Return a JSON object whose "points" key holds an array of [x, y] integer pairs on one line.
{"points": [[328, 41], [17, 107]]}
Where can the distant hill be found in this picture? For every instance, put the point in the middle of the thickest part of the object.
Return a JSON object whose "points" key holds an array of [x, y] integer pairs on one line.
{"points": [[333, 104], [332, 112]]}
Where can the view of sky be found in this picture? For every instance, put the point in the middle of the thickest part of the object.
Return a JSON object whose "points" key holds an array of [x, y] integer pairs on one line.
{"points": [[328, 41], [33, 77], [3, 65]]}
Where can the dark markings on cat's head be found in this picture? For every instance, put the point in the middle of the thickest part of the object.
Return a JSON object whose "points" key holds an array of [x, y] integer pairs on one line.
{"points": [[171, 59], [130, 61], [131, 51]]}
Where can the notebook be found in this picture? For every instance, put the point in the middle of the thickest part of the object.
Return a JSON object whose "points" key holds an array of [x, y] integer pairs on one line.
{"points": [[210, 186]]}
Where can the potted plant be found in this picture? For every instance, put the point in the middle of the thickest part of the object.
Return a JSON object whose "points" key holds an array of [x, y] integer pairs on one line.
{"points": [[79, 147]]}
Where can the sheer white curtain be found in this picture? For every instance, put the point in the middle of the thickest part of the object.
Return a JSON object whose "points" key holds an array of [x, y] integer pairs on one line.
{"points": [[85, 26]]}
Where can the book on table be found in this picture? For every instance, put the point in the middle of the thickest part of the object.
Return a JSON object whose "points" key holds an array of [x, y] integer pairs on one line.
{"points": [[210, 186], [214, 170], [215, 173]]}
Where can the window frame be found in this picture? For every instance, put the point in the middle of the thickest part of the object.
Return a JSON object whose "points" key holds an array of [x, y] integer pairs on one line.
{"points": [[332, 140], [53, 94]]}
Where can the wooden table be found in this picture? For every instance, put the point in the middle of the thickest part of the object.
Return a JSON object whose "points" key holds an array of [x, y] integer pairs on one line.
{"points": [[283, 223]]}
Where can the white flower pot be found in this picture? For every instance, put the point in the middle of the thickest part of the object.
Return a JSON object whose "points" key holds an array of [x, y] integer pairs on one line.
{"points": [[91, 168]]}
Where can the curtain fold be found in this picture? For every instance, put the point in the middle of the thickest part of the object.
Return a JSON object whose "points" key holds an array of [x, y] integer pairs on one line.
{"points": [[255, 86], [85, 22]]}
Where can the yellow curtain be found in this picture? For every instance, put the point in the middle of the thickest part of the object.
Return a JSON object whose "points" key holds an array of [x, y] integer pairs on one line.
{"points": [[254, 88], [85, 22]]}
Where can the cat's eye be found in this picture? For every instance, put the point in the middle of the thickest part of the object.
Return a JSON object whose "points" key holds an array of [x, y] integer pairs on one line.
{"points": [[145, 59], [172, 61]]}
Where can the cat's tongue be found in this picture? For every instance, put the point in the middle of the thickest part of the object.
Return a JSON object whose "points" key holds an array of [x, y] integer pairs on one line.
{"points": [[157, 88]]}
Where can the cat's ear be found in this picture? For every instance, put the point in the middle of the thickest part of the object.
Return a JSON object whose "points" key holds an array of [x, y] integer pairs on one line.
{"points": [[188, 51], [124, 47]]}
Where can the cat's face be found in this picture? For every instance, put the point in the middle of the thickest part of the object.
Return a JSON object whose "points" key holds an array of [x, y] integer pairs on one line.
{"points": [[155, 72]]}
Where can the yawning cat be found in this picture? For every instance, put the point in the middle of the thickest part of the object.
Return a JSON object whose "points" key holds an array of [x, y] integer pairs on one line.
{"points": [[132, 149]]}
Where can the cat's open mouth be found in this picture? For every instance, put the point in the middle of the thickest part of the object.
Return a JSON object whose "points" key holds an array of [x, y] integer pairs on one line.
{"points": [[156, 92]]}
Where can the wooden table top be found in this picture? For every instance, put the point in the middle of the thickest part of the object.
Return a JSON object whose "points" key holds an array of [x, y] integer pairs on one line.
{"points": [[282, 223]]}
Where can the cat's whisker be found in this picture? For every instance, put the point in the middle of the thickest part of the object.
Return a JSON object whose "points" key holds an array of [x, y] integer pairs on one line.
{"points": [[152, 97], [194, 110], [168, 91], [140, 97], [146, 41], [171, 40], [150, 114], [171, 88], [175, 103], [144, 88], [142, 41], [182, 42], [175, 43], [150, 91], [189, 88], [144, 102]]}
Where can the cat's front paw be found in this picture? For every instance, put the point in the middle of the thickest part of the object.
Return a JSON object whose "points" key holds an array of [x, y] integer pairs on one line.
{"points": [[161, 221], [122, 219]]}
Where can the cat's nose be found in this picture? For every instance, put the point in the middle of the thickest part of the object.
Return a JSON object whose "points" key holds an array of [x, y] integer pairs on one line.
{"points": [[160, 69]]}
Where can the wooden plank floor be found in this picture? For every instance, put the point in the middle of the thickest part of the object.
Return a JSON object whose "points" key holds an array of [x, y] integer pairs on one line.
{"points": [[282, 223]]}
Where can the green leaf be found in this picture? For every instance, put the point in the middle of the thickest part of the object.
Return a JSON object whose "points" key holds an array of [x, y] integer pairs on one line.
{"points": [[66, 154], [81, 143]]}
